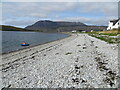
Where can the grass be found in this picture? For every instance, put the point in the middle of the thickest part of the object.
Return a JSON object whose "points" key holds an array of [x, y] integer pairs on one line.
{"points": [[110, 32], [106, 38], [106, 35]]}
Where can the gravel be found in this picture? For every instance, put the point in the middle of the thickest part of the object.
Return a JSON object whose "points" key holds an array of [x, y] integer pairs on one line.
{"points": [[79, 61]]}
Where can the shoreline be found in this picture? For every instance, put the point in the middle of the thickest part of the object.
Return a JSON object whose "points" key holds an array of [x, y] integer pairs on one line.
{"points": [[79, 61], [36, 45], [40, 46]]}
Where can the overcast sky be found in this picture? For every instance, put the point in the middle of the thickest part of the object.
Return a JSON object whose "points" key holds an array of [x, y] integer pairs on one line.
{"points": [[22, 14]]}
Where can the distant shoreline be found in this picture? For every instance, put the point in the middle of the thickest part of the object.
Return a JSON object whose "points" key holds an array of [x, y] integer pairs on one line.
{"points": [[22, 30]]}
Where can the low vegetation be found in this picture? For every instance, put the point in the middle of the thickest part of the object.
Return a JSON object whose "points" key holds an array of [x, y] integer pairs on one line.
{"points": [[12, 28], [114, 32], [108, 36]]}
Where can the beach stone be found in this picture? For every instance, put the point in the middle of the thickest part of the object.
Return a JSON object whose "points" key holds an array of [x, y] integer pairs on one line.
{"points": [[48, 66]]}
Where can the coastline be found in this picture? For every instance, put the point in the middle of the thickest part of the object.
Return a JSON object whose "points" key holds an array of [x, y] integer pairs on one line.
{"points": [[78, 61], [69, 34], [36, 45], [43, 45]]}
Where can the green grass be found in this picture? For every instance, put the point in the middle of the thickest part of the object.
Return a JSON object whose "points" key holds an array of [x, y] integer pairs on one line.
{"points": [[106, 35], [106, 38], [109, 34]]}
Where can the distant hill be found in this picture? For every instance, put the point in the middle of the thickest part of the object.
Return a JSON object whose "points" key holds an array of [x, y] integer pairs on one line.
{"points": [[52, 26], [61, 26], [82, 28], [11, 28]]}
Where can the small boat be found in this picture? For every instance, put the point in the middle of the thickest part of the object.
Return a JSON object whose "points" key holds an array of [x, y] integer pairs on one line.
{"points": [[24, 44]]}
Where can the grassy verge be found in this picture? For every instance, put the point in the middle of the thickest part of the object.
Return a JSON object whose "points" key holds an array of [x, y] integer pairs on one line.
{"points": [[110, 32], [108, 36]]}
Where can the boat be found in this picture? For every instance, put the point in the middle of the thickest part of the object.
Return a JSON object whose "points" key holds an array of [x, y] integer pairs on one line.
{"points": [[24, 44]]}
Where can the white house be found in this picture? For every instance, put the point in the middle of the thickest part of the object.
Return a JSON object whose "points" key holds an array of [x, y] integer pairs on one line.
{"points": [[74, 31], [114, 24]]}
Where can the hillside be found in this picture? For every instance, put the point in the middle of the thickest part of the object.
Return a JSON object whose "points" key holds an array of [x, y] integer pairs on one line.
{"points": [[62, 26], [52, 26], [82, 28], [12, 28]]}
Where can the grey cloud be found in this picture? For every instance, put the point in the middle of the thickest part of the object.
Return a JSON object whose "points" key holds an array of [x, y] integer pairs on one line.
{"points": [[46, 8], [89, 21], [18, 23], [107, 8], [60, 1], [14, 13], [24, 8]]}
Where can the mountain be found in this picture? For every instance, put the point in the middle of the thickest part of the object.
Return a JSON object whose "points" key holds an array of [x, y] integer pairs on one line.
{"points": [[62, 26], [54, 26], [46, 25], [82, 28]]}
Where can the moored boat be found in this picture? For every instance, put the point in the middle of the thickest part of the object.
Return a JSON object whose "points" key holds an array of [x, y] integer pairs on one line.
{"points": [[24, 44]]}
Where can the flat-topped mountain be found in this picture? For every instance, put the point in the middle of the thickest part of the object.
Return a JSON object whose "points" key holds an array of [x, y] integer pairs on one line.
{"points": [[54, 26], [61, 26], [47, 24]]}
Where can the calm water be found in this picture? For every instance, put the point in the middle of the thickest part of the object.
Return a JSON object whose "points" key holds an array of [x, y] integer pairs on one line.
{"points": [[11, 40]]}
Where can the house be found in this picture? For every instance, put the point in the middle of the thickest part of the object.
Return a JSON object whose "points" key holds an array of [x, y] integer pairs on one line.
{"points": [[84, 31], [91, 31], [114, 24], [74, 31]]}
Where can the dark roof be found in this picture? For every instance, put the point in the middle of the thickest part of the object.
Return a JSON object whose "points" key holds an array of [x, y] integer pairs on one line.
{"points": [[115, 21]]}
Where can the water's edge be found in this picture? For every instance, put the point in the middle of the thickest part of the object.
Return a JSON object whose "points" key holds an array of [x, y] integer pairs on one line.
{"points": [[36, 45]]}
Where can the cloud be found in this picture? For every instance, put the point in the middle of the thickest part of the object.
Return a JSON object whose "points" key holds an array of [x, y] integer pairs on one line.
{"points": [[35, 9], [89, 21], [0, 13], [60, 1], [25, 13], [106, 8], [19, 23], [39, 0]]}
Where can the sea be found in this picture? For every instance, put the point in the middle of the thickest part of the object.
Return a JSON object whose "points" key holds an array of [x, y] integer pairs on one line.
{"points": [[11, 40]]}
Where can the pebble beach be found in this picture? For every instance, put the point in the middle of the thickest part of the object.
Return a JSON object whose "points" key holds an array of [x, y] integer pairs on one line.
{"points": [[78, 61]]}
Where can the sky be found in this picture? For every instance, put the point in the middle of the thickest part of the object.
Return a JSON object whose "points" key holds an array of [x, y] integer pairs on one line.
{"points": [[22, 14]]}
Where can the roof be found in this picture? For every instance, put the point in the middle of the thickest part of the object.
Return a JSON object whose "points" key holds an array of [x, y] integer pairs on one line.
{"points": [[115, 21]]}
